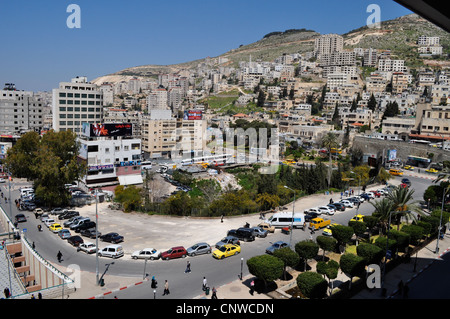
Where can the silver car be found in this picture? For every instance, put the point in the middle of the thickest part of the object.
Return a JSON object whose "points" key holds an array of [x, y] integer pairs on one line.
{"points": [[228, 240], [259, 232], [198, 249]]}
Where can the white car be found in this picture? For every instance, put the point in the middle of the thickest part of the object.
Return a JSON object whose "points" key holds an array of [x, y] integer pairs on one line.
{"points": [[87, 247], [2, 180], [371, 195], [150, 253], [326, 210], [49, 221], [314, 210], [347, 203]]}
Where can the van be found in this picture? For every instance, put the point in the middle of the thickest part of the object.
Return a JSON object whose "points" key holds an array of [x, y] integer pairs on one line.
{"points": [[26, 191], [112, 251], [284, 219]]}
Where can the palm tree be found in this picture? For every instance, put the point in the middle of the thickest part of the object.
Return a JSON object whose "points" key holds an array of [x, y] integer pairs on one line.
{"points": [[404, 203], [329, 141], [383, 208]]}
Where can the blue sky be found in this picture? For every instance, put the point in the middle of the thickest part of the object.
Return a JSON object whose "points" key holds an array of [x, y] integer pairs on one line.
{"points": [[38, 49]]}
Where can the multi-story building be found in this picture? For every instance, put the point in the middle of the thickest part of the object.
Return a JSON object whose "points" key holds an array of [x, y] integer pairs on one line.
{"points": [[398, 125], [440, 94], [20, 111], [76, 102], [165, 136], [375, 83], [428, 41], [389, 65], [328, 43], [400, 82], [370, 57], [433, 120], [111, 153], [157, 99], [338, 58]]}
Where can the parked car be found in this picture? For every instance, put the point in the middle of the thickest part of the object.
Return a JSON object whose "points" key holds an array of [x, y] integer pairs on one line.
{"points": [[90, 233], [146, 253], [267, 226], [275, 246], [85, 225], [20, 218], [309, 216], [79, 222], [72, 220], [243, 233], [58, 211], [49, 221], [406, 181], [68, 214], [55, 227], [112, 238], [365, 196], [326, 210], [44, 216], [64, 234], [198, 249], [337, 206], [112, 251], [75, 240], [228, 240], [226, 251], [314, 210], [174, 252], [347, 203], [38, 212], [87, 247], [259, 232]]}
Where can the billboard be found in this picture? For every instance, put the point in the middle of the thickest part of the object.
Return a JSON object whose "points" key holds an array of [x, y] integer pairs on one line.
{"points": [[192, 115], [107, 129]]}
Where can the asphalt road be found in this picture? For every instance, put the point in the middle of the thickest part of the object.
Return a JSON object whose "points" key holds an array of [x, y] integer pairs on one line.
{"points": [[217, 272]]}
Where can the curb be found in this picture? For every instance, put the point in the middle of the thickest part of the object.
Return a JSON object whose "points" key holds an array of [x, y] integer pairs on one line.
{"points": [[101, 296]]}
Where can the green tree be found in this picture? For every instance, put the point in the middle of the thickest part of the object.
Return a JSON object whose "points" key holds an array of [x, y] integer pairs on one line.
{"points": [[352, 265], [129, 197], [289, 257], [312, 285], [342, 234], [306, 249], [371, 253], [265, 267], [326, 244], [372, 103]]}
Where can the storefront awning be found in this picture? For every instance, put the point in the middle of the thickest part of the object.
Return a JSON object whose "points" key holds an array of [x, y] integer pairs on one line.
{"points": [[130, 179]]}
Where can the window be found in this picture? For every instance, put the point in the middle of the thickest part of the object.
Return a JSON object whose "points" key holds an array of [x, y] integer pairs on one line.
{"points": [[92, 148]]}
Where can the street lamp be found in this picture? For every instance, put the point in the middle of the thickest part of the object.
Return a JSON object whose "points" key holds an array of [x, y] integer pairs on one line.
{"points": [[106, 269], [440, 220], [292, 221]]}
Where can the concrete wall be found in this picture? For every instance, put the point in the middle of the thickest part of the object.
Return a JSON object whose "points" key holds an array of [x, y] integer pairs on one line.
{"points": [[404, 149]]}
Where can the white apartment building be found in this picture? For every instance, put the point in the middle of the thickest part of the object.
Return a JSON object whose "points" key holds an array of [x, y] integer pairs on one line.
{"points": [[428, 41], [20, 111], [76, 102], [111, 160], [370, 57], [398, 125], [335, 80], [328, 43], [432, 50], [440, 94], [389, 65], [338, 58], [158, 99]]}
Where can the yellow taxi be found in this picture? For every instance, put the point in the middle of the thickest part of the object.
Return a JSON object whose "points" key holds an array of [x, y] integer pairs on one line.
{"points": [[226, 251], [431, 170], [395, 172], [54, 228], [327, 231], [409, 167], [357, 218]]}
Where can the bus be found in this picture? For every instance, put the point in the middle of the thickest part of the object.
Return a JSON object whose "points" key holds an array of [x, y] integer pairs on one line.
{"points": [[423, 142], [146, 165], [217, 160]]}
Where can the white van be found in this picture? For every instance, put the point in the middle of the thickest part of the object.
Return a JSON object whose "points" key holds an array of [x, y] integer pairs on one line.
{"points": [[26, 191], [284, 219], [112, 251]]}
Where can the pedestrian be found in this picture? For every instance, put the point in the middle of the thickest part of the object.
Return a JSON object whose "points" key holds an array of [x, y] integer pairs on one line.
{"points": [[32, 296], [154, 282], [188, 267], [214, 293], [59, 256], [405, 291], [6, 292], [39, 296], [33, 245], [205, 283], [400, 287], [221, 219], [166, 288], [252, 287]]}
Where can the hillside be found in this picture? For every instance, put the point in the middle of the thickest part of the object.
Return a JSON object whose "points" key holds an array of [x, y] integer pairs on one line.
{"points": [[398, 35]]}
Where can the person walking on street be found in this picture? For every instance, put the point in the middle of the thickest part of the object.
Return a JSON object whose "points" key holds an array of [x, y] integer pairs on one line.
{"points": [[188, 267], [205, 283], [214, 293], [154, 282], [59, 256], [166, 288], [252, 287]]}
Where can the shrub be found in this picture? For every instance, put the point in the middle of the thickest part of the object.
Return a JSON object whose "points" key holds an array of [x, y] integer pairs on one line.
{"points": [[371, 253], [416, 232], [312, 285], [265, 267]]}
